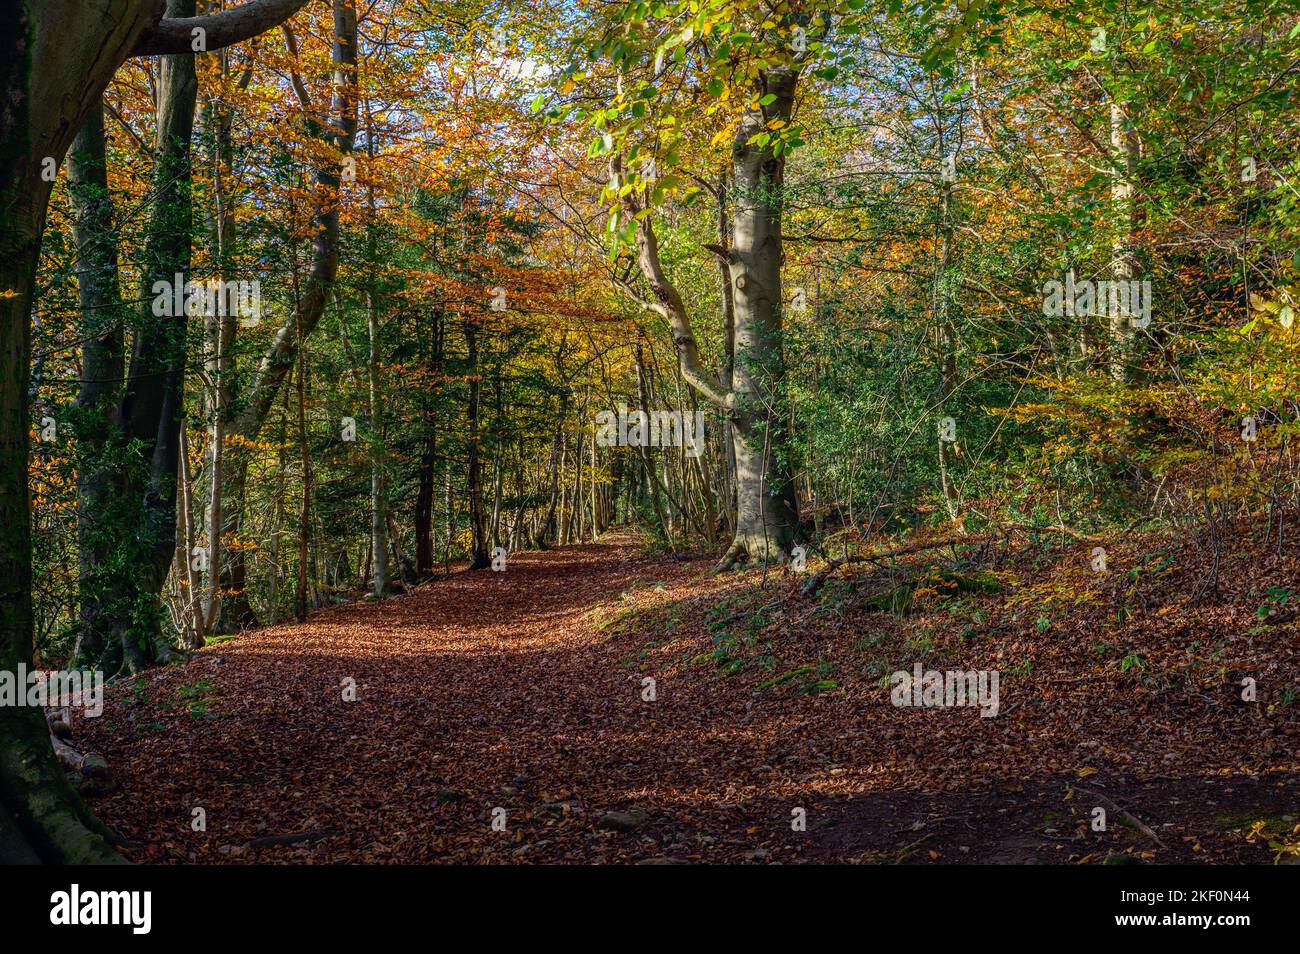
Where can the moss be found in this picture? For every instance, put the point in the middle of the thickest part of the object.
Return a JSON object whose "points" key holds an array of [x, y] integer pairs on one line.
{"points": [[1274, 824]]}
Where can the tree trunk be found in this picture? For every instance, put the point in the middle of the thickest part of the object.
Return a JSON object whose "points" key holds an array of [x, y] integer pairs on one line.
{"points": [[478, 557], [185, 533], [378, 492], [494, 530], [766, 515], [304, 513], [41, 816], [130, 620], [765, 521], [945, 332], [425, 556], [1123, 264], [216, 438], [729, 346], [219, 334], [277, 519], [100, 504]]}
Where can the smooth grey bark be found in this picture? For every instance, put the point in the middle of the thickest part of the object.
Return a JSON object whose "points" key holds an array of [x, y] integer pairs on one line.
{"points": [[378, 482], [729, 344], [765, 521], [220, 333], [185, 537], [766, 514], [175, 34]]}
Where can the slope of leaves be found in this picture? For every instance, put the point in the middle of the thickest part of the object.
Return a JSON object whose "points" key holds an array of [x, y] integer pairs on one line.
{"points": [[524, 691]]}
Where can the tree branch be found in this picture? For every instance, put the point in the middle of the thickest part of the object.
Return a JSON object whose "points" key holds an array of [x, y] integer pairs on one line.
{"points": [[220, 29], [669, 302]]}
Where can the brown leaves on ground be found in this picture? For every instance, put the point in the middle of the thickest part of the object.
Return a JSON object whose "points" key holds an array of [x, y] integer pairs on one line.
{"points": [[524, 691]]}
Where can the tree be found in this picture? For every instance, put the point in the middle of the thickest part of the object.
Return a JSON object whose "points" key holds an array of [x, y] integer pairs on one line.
{"points": [[738, 57], [57, 58]]}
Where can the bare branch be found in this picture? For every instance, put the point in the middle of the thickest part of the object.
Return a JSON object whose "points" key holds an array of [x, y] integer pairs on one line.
{"points": [[219, 29]]}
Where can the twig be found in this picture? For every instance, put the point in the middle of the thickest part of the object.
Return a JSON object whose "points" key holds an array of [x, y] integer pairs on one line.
{"points": [[1128, 817], [898, 859], [311, 837]]}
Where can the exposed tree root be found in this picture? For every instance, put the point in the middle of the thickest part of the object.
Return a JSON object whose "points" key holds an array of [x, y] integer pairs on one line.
{"points": [[42, 814], [744, 552]]}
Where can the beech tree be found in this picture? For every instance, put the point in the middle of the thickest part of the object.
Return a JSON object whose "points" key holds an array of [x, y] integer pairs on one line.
{"points": [[56, 58], [738, 65]]}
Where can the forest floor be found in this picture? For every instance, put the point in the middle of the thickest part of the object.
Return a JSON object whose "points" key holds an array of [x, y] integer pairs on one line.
{"points": [[523, 691]]}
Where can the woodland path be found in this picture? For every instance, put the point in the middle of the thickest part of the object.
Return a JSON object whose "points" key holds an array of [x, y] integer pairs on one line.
{"points": [[514, 690]]}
